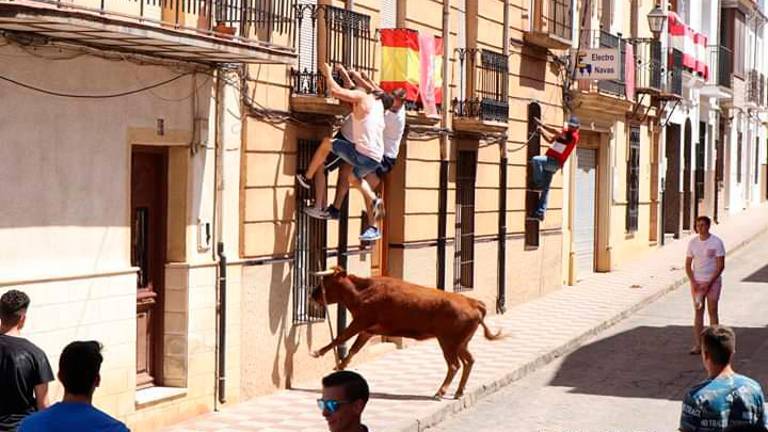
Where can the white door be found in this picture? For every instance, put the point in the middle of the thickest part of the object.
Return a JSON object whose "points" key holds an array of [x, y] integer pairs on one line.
{"points": [[584, 211]]}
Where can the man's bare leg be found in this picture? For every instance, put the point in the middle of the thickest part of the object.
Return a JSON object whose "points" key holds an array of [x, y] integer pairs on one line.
{"points": [[320, 186], [342, 185], [358, 184], [318, 159]]}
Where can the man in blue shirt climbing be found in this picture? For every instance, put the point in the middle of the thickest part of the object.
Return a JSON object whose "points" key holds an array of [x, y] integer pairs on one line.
{"points": [[725, 398]]}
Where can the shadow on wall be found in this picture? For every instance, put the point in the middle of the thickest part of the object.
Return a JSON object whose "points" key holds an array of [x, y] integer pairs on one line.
{"points": [[653, 362], [533, 71]]}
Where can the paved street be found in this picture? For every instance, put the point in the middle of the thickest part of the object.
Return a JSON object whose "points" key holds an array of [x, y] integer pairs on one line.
{"points": [[632, 377]]}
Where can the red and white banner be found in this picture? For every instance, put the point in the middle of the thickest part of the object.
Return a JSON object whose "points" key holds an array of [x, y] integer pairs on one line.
{"points": [[692, 44]]}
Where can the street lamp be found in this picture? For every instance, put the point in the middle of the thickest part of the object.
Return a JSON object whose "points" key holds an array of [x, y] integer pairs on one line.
{"points": [[656, 20]]}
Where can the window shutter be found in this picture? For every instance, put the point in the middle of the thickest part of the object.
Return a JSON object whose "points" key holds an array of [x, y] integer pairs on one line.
{"points": [[388, 17], [307, 38]]}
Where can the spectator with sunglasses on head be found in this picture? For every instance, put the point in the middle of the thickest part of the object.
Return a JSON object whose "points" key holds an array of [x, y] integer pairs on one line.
{"points": [[345, 394]]}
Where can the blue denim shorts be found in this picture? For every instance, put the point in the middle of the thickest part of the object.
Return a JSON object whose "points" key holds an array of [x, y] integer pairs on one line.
{"points": [[361, 165]]}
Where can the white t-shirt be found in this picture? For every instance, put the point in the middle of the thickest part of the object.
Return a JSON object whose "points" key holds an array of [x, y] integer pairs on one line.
{"points": [[704, 254], [394, 127]]}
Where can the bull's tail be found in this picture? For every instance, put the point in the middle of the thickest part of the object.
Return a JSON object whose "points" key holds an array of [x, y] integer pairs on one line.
{"points": [[486, 331]]}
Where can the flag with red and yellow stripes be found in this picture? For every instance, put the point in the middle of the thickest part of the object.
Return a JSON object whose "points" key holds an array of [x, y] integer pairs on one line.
{"points": [[401, 63]]}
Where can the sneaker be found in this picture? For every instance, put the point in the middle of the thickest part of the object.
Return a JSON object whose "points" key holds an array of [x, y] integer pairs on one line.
{"points": [[378, 208], [535, 217], [316, 213], [333, 212], [370, 234], [303, 181]]}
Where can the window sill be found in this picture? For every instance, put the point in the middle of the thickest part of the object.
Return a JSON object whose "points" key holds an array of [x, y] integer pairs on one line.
{"points": [[154, 395]]}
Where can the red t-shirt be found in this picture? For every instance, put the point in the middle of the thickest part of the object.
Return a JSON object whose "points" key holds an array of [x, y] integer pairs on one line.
{"points": [[563, 145]]}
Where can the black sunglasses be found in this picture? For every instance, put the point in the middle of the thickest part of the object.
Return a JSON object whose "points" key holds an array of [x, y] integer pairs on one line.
{"points": [[330, 405]]}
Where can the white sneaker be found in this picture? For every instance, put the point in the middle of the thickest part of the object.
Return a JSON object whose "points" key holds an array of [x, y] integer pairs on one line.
{"points": [[317, 213]]}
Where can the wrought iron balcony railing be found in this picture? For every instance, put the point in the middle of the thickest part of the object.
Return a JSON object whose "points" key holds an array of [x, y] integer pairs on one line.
{"points": [[328, 34], [675, 76], [648, 65], [244, 19], [615, 87], [489, 80], [481, 109], [753, 87]]}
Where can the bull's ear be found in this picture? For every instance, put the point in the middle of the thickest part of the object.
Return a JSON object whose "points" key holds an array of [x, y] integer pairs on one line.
{"points": [[339, 271]]}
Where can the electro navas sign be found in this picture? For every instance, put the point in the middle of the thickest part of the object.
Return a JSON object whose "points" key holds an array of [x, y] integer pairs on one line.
{"points": [[598, 64]]}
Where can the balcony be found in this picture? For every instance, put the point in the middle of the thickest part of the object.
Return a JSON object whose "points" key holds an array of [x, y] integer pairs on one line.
{"points": [[718, 83], [551, 24], [607, 95], [204, 31], [648, 67], [614, 87], [328, 34], [486, 108]]}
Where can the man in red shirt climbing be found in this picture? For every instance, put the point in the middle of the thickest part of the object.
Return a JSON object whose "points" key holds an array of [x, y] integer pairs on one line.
{"points": [[544, 167]]}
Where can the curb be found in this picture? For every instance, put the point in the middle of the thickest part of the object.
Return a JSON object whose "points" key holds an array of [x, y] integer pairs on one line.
{"points": [[471, 398]]}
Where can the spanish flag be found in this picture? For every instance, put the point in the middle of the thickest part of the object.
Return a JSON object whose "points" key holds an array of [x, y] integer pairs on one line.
{"points": [[401, 63]]}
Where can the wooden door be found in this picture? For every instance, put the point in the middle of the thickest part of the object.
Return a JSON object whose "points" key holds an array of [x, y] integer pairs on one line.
{"points": [[148, 244]]}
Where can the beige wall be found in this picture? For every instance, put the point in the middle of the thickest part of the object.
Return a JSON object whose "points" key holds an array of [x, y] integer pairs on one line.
{"points": [[68, 216]]}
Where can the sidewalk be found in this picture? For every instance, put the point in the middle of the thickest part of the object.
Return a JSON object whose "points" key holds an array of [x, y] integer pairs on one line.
{"points": [[403, 381]]}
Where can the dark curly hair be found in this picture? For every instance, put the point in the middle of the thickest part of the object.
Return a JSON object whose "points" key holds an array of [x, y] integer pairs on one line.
{"points": [[13, 306]]}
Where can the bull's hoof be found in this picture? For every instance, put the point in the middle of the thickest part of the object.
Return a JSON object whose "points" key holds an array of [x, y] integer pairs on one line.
{"points": [[316, 354], [438, 396], [458, 395], [340, 367]]}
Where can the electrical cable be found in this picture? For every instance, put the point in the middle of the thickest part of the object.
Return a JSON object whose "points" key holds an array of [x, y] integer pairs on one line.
{"points": [[104, 96]]}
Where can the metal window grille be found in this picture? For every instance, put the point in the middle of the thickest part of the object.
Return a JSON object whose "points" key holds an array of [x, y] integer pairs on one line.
{"points": [[738, 157], [466, 169], [615, 87], [724, 66], [633, 179], [140, 245], [349, 41], [676, 72], [753, 89], [490, 86], [700, 154], [310, 247], [532, 197]]}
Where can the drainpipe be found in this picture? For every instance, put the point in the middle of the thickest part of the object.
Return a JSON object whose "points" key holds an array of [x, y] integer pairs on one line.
{"points": [[501, 298], [341, 258], [222, 322], [442, 211], [221, 346]]}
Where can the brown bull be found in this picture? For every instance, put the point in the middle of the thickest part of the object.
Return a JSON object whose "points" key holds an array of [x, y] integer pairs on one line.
{"points": [[392, 307]]}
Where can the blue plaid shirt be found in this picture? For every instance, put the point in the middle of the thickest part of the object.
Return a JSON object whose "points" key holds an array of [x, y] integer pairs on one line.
{"points": [[714, 404]]}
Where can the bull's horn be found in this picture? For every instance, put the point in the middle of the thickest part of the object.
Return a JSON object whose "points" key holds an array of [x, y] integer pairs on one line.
{"points": [[324, 272]]}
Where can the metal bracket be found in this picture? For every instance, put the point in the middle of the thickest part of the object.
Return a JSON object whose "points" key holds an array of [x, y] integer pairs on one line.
{"points": [[670, 113]]}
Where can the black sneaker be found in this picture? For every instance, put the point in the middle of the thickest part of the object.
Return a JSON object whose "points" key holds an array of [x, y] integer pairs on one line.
{"points": [[303, 181], [535, 217], [333, 212]]}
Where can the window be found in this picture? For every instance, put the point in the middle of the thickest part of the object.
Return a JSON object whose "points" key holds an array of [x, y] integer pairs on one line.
{"points": [[533, 139], [739, 36], [466, 170], [738, 158], [700, 154], [606, 15], [757, 160], [309, 253], [388, 17], [633, 178], [492, 86]]}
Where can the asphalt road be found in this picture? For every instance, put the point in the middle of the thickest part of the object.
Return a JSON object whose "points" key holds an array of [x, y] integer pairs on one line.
{"points": [[633, 376]]}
